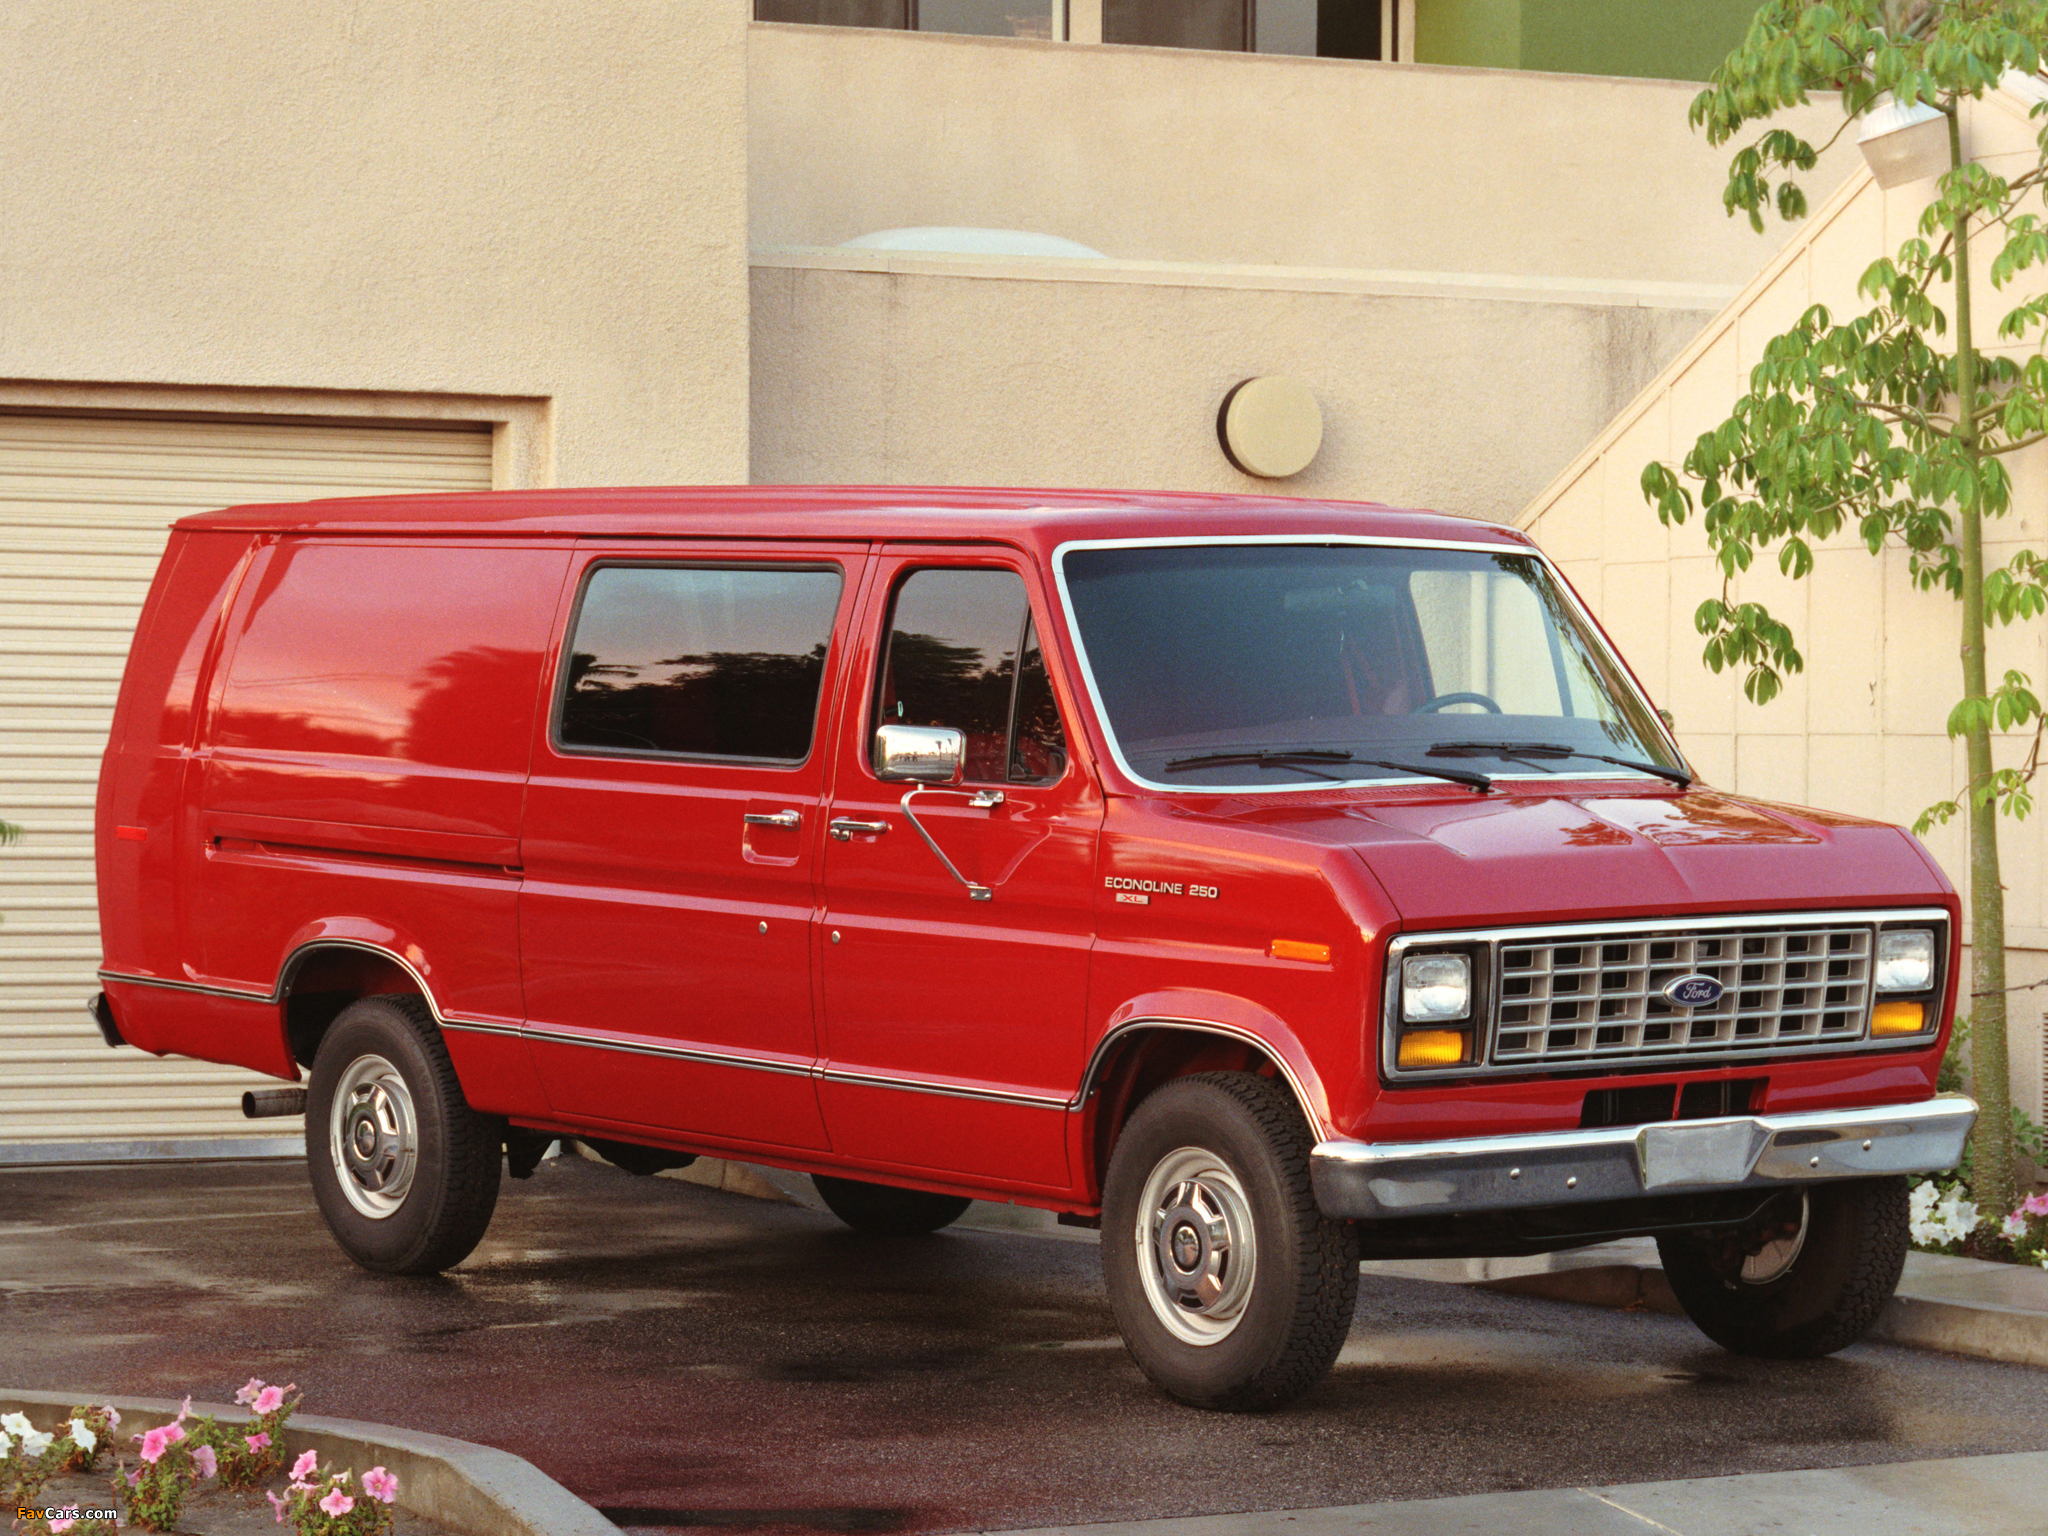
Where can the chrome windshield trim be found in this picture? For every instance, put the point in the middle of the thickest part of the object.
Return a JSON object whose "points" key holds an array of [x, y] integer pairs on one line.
{"points": [[1594, 634], [1366, 1180]]}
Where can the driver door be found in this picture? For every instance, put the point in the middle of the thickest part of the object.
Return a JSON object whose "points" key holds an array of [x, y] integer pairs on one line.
{"points": [[953, 1024]]}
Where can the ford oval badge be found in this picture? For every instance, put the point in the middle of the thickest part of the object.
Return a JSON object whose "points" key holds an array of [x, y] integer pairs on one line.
{"points": [[1694, 991]]}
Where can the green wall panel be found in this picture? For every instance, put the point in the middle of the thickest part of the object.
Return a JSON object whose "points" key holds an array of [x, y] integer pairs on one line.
{"points": [[1663, 39]]}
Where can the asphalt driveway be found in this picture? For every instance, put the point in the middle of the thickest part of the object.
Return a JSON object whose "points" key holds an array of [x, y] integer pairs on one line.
{"points": [[686, 1358]]}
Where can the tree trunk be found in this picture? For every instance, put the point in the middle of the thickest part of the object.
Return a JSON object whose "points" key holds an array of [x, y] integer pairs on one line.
{"points": [[1991, 1071]]}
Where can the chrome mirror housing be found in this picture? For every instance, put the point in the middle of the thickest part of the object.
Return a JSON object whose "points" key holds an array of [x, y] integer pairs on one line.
{"points": [[929, 754]]}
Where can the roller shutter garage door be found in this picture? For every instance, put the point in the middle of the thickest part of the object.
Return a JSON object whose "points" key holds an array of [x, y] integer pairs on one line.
{"points": [[85, 505]]}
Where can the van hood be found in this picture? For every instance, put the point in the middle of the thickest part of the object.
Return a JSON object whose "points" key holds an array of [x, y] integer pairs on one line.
{"points": [[1590, 852]]}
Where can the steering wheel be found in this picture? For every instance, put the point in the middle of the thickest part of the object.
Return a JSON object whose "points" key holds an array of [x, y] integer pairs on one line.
{"points": [[1445, 700]]}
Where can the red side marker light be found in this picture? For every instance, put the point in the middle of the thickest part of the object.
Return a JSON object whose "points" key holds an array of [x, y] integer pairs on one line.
{"points": [[132, 834]]}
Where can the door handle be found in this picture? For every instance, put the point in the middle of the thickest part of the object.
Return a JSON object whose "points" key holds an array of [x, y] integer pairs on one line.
{"points": [[774, 818], [844, 827]]}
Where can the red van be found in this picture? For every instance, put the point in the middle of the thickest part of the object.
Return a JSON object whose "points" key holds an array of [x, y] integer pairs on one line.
{"points": [[1271, 882]]}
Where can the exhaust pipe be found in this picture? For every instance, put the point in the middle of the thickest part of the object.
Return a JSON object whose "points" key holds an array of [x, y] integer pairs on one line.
{"points": [[102, 1013], [268, 1103]]}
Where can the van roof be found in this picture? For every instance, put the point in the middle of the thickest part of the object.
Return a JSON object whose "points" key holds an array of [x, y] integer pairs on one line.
{"points": [[1040, 518]]}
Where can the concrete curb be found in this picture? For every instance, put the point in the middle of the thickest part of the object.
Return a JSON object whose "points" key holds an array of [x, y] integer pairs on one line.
{"points": [[1925, 1314], [474, 1489]]}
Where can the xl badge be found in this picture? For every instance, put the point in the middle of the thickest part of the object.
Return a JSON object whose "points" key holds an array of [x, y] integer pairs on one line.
{"points": [[1694, 991]]}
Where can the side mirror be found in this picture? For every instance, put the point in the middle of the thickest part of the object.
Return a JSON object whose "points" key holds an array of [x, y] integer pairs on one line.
{"points": [[930, 754]]}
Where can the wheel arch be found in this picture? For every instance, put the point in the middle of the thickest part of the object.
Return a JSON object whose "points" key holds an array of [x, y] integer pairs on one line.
{"points": [[322, 976], [1144, 1050]]}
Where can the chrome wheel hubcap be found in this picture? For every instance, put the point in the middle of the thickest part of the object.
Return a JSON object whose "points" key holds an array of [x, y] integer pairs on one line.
{"points": [[1771, 1261], [1197, 1252], [373, 1136]]}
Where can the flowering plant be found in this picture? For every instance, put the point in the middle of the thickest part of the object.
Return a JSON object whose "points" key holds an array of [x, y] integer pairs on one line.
{"points": [[324, 1503], [173, 1463], [1945, 1220], [86, 1437], [250, 1452], [2027, 1230], [28, 1456]]}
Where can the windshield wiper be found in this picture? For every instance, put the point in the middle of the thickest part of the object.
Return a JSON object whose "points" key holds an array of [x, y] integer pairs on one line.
{"points": [[1512, 749], [1303, 757]]}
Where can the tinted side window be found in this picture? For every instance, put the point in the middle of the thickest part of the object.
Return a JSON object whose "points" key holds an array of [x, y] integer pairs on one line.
{"points": [[699, 662], [955, 637]]}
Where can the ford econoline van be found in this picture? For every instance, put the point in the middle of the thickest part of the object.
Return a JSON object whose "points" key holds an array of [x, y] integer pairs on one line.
{"points": [[1269, 882]]}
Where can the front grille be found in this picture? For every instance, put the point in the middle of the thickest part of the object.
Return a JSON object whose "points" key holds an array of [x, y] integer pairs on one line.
{"points": [[1590, 996]]}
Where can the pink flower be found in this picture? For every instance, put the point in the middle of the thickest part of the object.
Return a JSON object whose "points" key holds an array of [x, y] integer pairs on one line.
{"points": [[337, 1503], [304, 1466], [113, 1419], [258, 1441], [2034, 1205], [269, 1400], [277, 1504], [186, 1410], [248, 1393], [155, 1443], [61, 1523], [203, 1459], [173, 1433], [379, 1484]]}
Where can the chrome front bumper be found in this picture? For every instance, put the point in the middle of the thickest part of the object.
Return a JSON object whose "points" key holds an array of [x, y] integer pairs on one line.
{"points": [[1505, 1173]]}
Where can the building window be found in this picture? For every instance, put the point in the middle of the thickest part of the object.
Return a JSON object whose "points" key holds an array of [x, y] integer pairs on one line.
{"points": [[979, 18], [1226, 25], [1331, 29]]}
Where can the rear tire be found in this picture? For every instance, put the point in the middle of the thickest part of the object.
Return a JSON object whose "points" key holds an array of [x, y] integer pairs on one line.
{"points": [[405, 1172], [1830, 1279], [887, 1211], [1232, 1290]]}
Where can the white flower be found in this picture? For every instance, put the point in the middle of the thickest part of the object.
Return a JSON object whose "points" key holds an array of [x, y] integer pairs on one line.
{"points": [[6, 1444], [2015, 1227], [35, 1442], [16, 1424], [83, 1437]]}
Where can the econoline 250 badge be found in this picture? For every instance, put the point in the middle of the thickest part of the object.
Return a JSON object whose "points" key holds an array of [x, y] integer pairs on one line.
{"points": [[1139, 893]]}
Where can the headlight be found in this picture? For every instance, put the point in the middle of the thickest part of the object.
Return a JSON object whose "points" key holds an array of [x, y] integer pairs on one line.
{"points": [[1905, 960], [1435, 989]]}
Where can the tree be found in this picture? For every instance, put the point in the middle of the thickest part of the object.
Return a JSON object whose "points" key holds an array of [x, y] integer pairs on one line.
{"points": [[1876, 422]]}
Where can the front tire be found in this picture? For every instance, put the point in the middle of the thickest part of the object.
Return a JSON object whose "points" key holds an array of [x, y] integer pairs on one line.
{"points": [[1812, 1287], [405, 1172], [884, 1210], [1231, 1289]]}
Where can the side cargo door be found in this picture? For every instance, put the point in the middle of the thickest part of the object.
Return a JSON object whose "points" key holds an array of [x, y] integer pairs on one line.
{"points": [[954, 1024], [670, 837]]}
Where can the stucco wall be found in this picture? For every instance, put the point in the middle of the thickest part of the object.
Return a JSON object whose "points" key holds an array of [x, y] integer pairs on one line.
{"points": [[880, 369], [1170, 155], [366, 195], [1862, 729]]}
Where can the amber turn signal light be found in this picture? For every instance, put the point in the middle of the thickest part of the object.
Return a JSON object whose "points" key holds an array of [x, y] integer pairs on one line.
{"points": [[1433, 1048], [1299, 949], [1898, 1019]]}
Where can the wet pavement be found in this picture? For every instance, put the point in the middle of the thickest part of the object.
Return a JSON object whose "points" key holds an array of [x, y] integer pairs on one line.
{"points": [[684, 1357]]}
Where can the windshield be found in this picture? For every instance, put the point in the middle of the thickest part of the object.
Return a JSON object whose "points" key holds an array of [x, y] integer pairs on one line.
{"points": [[1264, 665]]}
